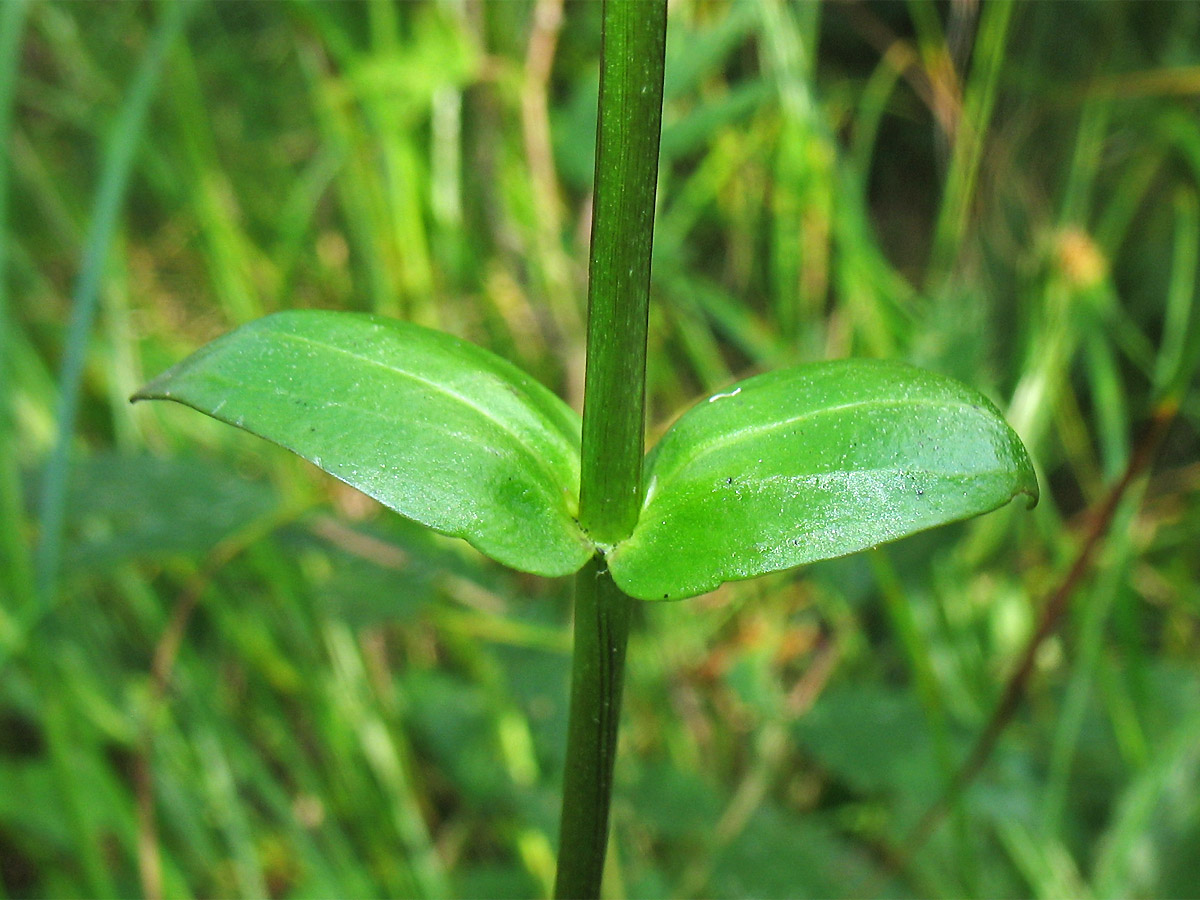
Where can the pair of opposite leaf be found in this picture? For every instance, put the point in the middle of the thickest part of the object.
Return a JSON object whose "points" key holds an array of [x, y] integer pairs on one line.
{"points": [[785, 468]]}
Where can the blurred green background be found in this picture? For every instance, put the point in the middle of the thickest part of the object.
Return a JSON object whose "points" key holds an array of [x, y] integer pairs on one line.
{"points": [[234, 677]]}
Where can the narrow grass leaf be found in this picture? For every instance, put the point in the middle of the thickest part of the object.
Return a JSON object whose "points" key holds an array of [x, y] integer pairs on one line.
{"points": [[15, 571], [119, 156]]}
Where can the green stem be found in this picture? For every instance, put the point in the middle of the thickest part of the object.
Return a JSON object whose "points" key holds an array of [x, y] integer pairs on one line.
{"points": [[598, 667], [630, 118], [631, 74]]}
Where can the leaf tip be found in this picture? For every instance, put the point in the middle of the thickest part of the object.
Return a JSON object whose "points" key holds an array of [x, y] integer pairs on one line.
{"points": [[1027, 482], [152, 391], [158, 388]]}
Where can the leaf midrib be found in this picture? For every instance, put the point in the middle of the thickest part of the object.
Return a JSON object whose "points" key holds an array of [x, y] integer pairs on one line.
{"points": [[539, 463], [729, 438]]}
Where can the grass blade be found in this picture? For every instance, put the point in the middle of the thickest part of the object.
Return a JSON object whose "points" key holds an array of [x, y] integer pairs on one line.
{"points": [[118, 162], [13, 553]]}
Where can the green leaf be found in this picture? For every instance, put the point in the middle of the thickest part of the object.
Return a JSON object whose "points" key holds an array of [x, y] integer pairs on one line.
{"points": [[435, 428], [811, 463], [144, 507]]}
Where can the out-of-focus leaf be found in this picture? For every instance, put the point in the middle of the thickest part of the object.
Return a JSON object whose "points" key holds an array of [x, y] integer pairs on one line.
{"points": [[674, 802], [778, 855], [811, 463], [451, 720], [874, 740], [439, 430], [366, 578], [498, 881], [140, 507]]}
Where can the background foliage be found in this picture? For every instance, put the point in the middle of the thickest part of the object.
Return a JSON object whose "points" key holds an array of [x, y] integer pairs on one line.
{"points": [[240, 679]]}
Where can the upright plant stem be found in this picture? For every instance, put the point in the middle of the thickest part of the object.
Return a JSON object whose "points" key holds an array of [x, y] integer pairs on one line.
{"points": [[598, 667], [630, 118], [631, 83]]}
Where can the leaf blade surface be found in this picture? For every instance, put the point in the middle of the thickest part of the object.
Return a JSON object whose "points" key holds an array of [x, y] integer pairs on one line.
{"points": [[811, 463], [431, 426]]}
